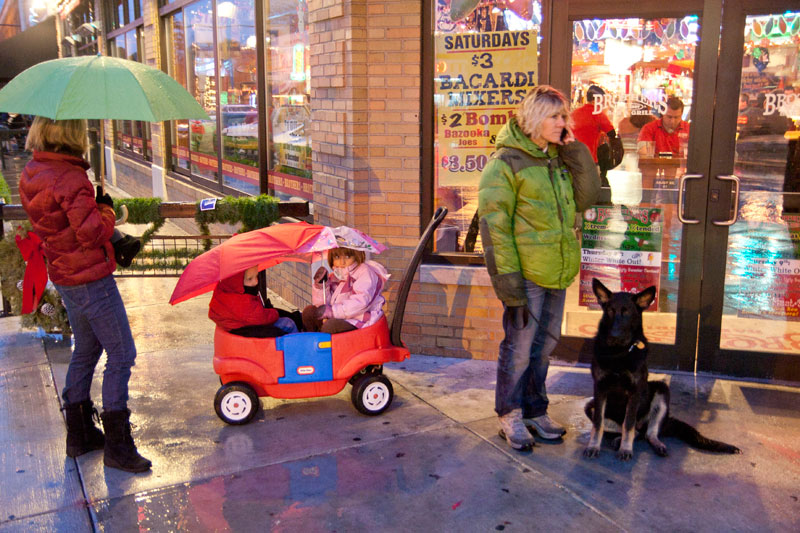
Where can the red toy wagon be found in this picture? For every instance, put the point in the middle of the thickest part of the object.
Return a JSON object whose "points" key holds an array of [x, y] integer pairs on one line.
{"points": [[300, 365]]}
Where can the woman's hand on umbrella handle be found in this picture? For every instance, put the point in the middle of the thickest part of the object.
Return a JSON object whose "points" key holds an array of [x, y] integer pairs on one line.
{"points": [[103, 198]]}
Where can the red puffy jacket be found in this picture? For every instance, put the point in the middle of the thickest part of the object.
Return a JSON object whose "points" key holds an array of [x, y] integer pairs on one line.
{"points": [[76, 232], [232, 308]]}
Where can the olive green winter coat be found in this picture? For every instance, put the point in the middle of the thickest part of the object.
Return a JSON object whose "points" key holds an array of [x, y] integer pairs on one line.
{"points": [[527, 217]]}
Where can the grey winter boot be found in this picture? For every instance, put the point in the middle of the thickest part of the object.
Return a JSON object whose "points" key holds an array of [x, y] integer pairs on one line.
{"points": [[82, 435], [120, 451]]}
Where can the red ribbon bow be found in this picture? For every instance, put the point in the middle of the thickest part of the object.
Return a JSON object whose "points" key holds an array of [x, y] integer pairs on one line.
{"points": [[35, 280]]}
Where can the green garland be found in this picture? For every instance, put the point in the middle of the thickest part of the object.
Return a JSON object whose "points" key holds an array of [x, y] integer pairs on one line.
{"points": [[50, 315], [253, 212], [5, 192], [142, 211]]}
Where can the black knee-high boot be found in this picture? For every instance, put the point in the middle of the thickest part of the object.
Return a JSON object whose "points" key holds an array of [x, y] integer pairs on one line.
{"points": [[120, 451], [82, 435]]}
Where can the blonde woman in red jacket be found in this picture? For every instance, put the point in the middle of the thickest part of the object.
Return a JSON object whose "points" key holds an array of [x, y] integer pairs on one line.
{"points": [[76, 229]]}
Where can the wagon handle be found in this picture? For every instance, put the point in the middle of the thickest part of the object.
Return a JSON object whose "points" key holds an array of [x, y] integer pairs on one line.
{"points": [[408, 276]]}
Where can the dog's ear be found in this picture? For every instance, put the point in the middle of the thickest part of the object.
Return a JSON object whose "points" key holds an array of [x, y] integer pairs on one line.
{"points": [[646, 297], [600, 291]]}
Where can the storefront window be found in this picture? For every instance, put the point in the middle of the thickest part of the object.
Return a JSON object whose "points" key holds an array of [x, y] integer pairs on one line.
{"points": [[176, 67], [225, 82], [192, 62], [486, 61], [202, 79], [130, 136], [238, 97], [289, 106]]}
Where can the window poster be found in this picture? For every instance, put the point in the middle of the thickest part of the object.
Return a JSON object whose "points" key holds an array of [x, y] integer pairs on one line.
{"points": [[480, 80], [762, 278], [621, 246]]}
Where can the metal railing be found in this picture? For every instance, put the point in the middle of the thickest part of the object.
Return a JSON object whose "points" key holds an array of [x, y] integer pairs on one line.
{"points": [[163, 255]]}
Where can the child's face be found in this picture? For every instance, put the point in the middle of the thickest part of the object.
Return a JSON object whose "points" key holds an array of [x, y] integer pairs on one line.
{"points": [[343, 261], [251, 277]]}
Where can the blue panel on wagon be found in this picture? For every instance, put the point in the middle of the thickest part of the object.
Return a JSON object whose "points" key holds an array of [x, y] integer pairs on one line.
{"points": [[307, 357]]}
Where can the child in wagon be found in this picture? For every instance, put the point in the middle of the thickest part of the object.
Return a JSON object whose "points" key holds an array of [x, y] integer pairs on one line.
{"points": [[236, 307], [351, 298]]}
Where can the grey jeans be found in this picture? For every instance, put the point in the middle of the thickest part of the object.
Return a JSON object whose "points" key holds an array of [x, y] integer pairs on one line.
{"points": [[524, 353]]}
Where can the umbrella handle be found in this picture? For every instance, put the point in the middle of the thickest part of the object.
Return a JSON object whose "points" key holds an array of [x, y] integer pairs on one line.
{"points": [[102, 154]]}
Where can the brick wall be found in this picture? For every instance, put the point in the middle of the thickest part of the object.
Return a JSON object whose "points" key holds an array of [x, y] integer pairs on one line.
{"points": [[132, 176], [365, 80], [292, 281], [453, 311]]}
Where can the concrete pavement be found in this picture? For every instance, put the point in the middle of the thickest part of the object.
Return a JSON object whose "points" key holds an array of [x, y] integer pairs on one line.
{"points": [[432, 462]]}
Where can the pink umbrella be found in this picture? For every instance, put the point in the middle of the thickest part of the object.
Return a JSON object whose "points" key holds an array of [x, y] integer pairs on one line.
{"points": [[264, 248]]}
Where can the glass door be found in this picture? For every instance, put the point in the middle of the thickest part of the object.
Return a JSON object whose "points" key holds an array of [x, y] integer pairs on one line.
{"points": [[705, 203], [638, 77], [750, 320]]}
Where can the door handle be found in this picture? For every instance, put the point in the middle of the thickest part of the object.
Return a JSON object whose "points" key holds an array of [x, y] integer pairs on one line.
{"points": [[735, 180], [681, 187]]}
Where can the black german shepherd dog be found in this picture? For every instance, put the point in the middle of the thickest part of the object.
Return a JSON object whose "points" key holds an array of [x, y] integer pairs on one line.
{"points": [[622, 393]]}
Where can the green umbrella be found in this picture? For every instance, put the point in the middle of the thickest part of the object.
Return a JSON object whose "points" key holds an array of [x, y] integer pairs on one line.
{"points": [[98, 87]]}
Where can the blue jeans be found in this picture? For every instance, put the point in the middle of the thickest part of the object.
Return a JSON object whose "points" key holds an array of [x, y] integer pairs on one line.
{"points": [[525, 353], [286, 324], [98, 321]]}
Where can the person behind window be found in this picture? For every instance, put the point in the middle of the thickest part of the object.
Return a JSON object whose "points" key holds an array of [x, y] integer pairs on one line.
{"points": [[588, 126], [666, 132], [350, 297], [527, 213], [76, 234], [236, 307]]}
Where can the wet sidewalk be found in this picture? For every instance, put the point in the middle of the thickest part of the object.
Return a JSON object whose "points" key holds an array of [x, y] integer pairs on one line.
{"points": [[432, 462]]}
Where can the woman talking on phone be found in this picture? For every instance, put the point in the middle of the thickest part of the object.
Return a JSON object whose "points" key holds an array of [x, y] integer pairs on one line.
{"points": [[527, 211]]}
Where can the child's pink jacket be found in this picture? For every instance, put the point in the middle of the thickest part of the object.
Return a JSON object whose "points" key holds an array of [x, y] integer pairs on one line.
{"points": [[357, 300]]}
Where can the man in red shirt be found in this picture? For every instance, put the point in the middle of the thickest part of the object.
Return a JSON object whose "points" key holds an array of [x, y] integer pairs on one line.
{"points": [[667, 132], [587, 126]]}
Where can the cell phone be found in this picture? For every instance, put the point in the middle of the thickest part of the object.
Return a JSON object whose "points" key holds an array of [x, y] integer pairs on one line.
{"points": [[564, 134], [666, 155]]}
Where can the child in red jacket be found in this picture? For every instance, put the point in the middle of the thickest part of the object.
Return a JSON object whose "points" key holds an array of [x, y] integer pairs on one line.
{"points": [[236, 308]]}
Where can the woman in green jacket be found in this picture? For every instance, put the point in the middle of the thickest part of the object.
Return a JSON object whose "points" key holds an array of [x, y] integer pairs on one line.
{"points": [[527, 210]]}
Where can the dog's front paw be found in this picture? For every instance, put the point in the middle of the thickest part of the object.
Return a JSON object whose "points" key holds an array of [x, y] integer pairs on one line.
{"points": [[659, 447], [591, 452], [625, 455]]}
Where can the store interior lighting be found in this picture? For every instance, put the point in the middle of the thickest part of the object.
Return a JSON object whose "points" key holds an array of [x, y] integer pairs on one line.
{"points": [[619, 56], [226, 10]]}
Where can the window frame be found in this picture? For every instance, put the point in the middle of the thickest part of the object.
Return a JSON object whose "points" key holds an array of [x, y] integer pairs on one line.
{"points": [[427, 178]]}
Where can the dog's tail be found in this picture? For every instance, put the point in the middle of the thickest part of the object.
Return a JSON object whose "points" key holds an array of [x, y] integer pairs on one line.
{"points": [[678, 428]]}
